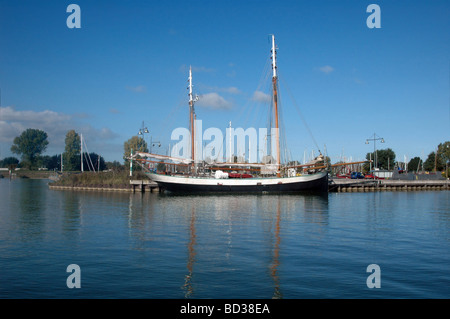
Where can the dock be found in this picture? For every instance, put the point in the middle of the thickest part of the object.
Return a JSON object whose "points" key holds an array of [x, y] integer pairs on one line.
{"points": [[143, 184], [370, 185]]}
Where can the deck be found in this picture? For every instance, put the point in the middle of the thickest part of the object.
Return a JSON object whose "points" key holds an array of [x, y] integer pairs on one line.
{"points": [[142, 185]]}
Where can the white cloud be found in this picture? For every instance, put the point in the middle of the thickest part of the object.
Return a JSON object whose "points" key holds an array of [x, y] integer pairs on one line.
{"points": [[13, 122], [8, 131], [213, 101], [106, 133], [231, 90], [11, 115], [261, 97], [326, 69]]}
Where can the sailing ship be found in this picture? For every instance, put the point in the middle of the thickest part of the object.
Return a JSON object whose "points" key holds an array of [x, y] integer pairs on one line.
{"points": [[207, 177]]}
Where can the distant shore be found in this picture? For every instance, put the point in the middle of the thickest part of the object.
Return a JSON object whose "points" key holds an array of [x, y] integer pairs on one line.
{"points": [[93, 188], [28, 174], [120, 181], [106, 181], [111, 180]]}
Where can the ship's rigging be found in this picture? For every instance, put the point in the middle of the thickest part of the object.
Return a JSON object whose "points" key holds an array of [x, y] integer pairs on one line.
{"points": [[269, 174]]}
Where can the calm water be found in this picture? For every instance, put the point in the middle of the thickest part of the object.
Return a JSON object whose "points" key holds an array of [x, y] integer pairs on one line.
{"points": [[268, 246]]}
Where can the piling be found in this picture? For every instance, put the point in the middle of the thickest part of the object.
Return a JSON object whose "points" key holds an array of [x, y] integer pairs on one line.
{"points": [[143, 184]]}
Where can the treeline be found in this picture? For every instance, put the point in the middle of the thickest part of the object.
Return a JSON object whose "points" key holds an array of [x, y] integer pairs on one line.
{"points": [[33, 142], [436, 161], [53, 163]]}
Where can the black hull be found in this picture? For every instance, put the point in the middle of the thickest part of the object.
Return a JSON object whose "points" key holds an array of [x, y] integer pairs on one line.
{"points": [[314, 186]]}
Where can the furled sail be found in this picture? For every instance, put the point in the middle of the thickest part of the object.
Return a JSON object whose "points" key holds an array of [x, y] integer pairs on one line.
{"points": [[163, 157]]}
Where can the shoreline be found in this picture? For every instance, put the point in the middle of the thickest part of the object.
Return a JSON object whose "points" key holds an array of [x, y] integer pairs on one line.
{"points": [[347, 186], [28, 174], [90, 188], [140, 185]]}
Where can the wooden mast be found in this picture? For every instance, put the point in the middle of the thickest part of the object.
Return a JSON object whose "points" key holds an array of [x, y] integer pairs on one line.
{"points": [[275, 103], [81, 152], [192, 120]]}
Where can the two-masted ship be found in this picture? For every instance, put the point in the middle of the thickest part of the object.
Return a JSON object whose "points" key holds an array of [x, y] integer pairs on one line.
{"points": [[272, 177]]}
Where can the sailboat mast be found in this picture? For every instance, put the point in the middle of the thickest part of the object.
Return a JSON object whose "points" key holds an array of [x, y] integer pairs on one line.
{"points": [[191, 112], [275, 102], [81, 152]]}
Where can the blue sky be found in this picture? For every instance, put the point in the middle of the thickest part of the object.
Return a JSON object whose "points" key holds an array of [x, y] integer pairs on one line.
{"points": [[129, 61]]}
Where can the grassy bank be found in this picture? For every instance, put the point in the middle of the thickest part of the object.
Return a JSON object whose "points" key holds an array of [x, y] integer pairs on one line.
{"points": [[100, 179], [28, 174]]}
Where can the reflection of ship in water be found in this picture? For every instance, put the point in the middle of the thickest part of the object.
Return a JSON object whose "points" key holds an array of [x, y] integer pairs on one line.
{"points": [[276, 256], [187, 287], [276, 215]]}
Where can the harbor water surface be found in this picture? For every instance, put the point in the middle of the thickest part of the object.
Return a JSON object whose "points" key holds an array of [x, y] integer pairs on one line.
{"points": [[248, 246]]}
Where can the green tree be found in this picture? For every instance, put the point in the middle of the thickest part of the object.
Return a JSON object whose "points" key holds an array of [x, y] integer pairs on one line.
{"points": [[42, 161], [443, 152], [385, 159], [137, 144], [115, 165], [428, 165], [50, 162], [71, 156], [433, 163], [93, 161], [7, 161], [55, 162], [414, 164], [30, 144]]}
